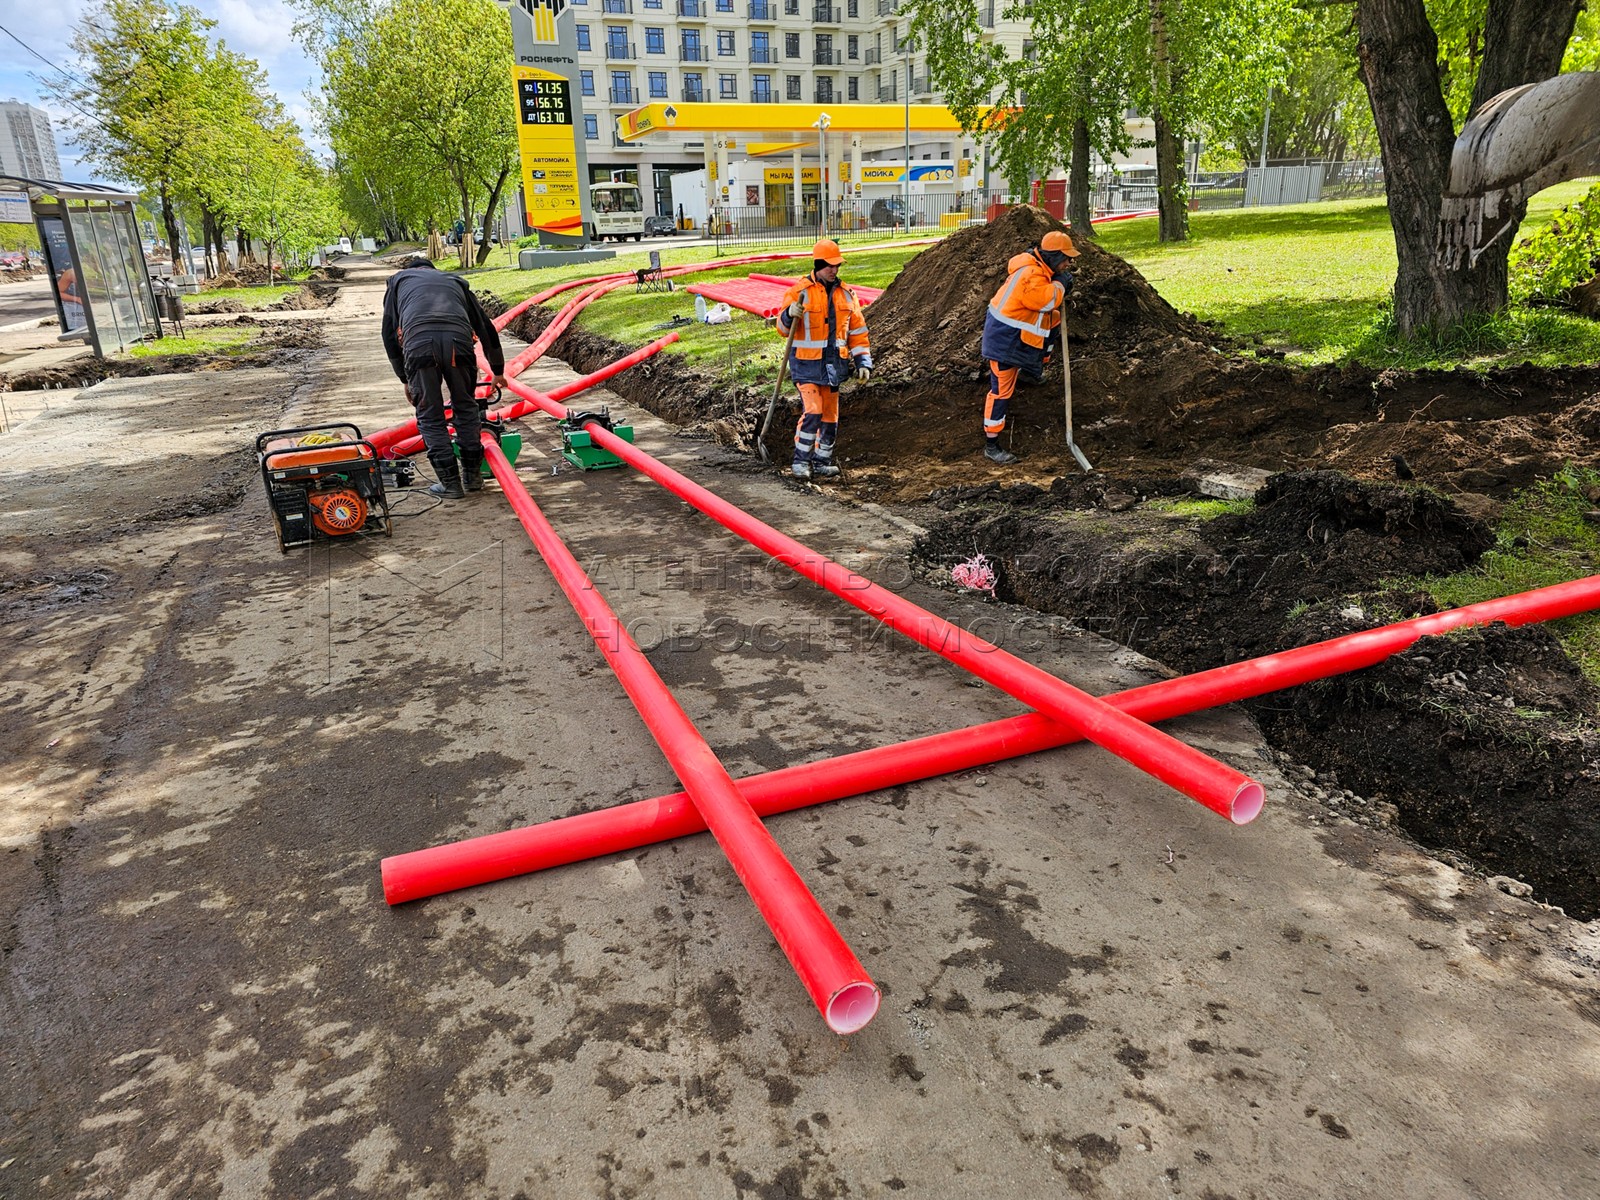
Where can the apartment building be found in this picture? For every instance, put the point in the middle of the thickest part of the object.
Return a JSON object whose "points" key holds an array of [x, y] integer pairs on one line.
{"points": [[27, 143], [636, 52]]}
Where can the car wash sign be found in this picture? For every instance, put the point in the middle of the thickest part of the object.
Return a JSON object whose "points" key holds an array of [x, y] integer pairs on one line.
{"points": [[550, 119]]}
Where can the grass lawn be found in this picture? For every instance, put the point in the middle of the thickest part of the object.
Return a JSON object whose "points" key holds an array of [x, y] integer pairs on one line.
{"points": [[251, 297], [227, 339], [1310, 280]]}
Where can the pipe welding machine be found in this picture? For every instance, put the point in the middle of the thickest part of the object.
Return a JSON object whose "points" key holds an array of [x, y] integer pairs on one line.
{"points": [[578, 447], [322, 481]]}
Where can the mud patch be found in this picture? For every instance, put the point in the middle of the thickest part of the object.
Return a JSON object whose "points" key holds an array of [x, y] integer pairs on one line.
{"points": [[279, 344]]}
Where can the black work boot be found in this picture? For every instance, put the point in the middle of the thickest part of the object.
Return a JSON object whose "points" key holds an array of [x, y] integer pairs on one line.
{"points": [[472, 468], [996, 454], [449, 473]]}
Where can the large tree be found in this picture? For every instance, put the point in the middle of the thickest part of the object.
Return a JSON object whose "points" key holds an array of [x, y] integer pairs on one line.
{"points": [[1514, 42], [420, 89]]}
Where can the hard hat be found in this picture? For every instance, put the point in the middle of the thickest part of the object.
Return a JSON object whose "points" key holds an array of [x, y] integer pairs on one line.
{"points": [[827, 250], [1059, 242]]}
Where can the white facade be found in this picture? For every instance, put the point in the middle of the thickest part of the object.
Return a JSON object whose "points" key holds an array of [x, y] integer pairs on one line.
{"points": [[637, 52], [27, 143]]}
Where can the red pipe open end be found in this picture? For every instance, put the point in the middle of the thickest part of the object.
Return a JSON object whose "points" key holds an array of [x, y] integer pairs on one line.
{"points": [[852, 1007], [1247, 802]]}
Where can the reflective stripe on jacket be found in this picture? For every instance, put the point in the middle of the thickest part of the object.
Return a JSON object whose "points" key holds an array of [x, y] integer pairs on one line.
{"points": [[1023, 313], [833, 317]]}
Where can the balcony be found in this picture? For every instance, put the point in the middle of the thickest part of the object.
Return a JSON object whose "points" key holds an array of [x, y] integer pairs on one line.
{"points": [[692, 8], [825, 93], [887, 92], [616, 6], [828, 58], [921, 85], [888, 7], [763, 98], [624, 95], [763, 10], [874, 57], [694, 95], [688, 53], [763, 54], [826, 14], [621, 50]]}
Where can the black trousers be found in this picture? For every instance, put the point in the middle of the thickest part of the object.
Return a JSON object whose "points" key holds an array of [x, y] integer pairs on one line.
{"points": [[435, 361]]}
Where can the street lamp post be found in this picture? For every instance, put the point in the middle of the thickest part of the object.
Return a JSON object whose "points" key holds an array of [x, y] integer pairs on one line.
{"points": [[905, 179], [821, 126]]}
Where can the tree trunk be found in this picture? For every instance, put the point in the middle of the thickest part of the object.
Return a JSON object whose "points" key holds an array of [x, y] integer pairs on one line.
{"points": [[1399, 55], [170, 220], [1171, 195], [489, 211], [1078, 212], [208, 227]]}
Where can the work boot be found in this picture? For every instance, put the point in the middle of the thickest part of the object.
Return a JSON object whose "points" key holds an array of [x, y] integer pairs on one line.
{"points": [[995, 454], [449, 485], [823, 469], [801, 470], [472, 468]]}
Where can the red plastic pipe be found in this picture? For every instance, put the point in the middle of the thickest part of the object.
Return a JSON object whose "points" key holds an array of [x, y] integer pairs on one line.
{"points": [[1216, 785], [495, 856], [836, 981]]}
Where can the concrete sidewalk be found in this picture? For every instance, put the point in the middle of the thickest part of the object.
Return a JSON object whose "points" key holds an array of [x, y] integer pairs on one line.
{"points": [[1091, 985]]}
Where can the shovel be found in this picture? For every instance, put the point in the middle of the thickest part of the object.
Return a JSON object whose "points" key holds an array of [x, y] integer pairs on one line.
{"points": [[777, 390], [1066, 378]]}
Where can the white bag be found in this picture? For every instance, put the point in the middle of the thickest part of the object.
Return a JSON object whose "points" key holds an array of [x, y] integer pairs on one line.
{"points": [[719, 314]]}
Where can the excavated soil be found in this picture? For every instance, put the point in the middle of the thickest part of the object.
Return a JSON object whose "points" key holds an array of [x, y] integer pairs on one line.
{"points": [[311, 296], [1477, 744], [281, 343]]}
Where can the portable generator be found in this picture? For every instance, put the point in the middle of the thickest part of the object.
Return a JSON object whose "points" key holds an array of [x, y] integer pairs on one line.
{"points": [[322, 481]]}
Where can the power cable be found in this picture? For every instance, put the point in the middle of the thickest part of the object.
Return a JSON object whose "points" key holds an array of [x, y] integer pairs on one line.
{"points": [[65, 75]]}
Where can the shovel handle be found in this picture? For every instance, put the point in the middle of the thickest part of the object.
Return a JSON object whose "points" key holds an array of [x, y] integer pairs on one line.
{"points": [[777, 390]]}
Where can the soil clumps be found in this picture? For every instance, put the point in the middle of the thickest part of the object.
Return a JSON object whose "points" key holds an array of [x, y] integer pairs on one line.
{"points": [[1480, 740]]}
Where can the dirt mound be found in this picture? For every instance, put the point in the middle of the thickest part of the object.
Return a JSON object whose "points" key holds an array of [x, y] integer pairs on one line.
{"points": [[311, 296], [931, 316], [1480, 746], [206, 308]]}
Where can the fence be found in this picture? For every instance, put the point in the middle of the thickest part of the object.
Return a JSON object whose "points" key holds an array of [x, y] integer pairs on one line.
{"points": [[884, 218]]}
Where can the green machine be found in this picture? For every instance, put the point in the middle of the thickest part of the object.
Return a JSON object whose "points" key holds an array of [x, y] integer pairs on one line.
{"points": [[578, 447]]}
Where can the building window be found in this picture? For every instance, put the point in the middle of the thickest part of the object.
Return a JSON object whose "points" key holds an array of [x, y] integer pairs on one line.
{"points": [[725, 43], [692, 50], [727, 87], [621, 87], [617, 41], [791, 45], [761, 88], [591, 127], [760, 47], [852, 9], [694, 87], [791, 86], [658, 85], [583, 37], [586, 82], [655, 40], [724, 5], [854, 86], [852, 47], [652, 3]]}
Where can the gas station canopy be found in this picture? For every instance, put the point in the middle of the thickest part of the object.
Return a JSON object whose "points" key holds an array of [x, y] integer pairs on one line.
{"points": [[795, 120]]}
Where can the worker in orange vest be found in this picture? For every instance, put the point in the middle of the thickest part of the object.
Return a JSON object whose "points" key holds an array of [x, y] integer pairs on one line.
{"points": [[1022, 325], [830, 342]]}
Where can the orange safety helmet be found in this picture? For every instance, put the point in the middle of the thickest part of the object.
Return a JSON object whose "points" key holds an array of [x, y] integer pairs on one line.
{"points": [[827, 250], [1059, 242]]}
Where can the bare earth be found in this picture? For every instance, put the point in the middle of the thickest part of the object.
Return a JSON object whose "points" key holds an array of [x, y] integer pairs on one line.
{"points": [[1092, 986]]}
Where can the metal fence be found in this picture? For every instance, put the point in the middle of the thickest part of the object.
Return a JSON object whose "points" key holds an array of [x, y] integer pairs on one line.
{"points": [[878, 219]]}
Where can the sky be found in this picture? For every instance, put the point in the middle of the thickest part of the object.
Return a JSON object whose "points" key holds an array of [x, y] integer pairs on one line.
{"points": [[258, 29]]}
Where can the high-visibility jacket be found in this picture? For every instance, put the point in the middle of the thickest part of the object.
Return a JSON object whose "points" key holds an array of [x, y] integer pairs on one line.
{"points": [[1023, 314], [828, 335]]}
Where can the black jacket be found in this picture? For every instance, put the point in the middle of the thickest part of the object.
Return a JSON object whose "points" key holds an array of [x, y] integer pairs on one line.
{"points": [[422, 300]]}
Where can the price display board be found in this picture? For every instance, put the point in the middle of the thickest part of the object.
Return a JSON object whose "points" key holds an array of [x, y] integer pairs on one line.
{"points": [[547, 139]]}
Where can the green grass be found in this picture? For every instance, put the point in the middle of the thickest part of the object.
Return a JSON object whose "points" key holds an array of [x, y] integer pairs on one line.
{"points": [[1314, 282], [226, 340], [251, 297], [1542, 539], [1197, 509], [744, 351]]}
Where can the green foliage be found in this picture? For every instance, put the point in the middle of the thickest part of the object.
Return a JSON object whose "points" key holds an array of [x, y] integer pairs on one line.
{"points": [[18, 235], [1543, 538], [1511, 336], [1583, 51], [225, 340], [418, 106], [1560, 256], [1198, 509]]}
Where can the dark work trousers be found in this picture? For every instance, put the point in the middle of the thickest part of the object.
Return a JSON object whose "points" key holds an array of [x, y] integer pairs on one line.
{"points": [[435, 360]]}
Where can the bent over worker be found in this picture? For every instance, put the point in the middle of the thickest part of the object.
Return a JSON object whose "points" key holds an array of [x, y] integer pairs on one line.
{"points": [[429, 321], [1023, 321], [830, 342]]}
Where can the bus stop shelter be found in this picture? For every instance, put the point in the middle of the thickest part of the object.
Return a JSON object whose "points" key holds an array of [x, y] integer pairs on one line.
{"points": [[96, 262]]}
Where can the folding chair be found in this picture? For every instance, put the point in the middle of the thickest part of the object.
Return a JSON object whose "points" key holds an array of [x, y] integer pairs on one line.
{"points": [[650, 279]]}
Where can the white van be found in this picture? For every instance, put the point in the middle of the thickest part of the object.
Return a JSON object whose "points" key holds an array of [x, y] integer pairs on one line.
{"points": [[618, 211]]}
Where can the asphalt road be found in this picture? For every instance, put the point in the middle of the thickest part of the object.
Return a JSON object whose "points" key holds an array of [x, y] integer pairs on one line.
{"points": [[25, 301]]}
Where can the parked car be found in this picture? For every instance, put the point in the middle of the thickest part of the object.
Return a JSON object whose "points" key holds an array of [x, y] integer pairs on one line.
{"points": [[890, 210], [656, 226]]}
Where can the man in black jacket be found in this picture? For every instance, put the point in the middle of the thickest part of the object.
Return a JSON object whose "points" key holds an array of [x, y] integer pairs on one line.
{"points": [[429, 320]]}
